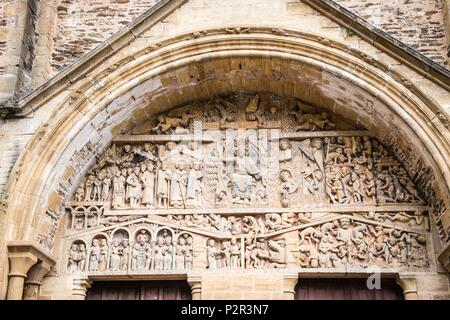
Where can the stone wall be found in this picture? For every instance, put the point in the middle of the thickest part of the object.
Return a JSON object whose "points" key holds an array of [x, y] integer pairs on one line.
{"points": [[82, 25], [418, 23], [198, 14], [446, 13], [17, 40], [79, 26]]}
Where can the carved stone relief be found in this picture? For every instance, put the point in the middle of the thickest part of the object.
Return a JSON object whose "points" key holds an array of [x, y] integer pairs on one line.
{"points": [[218, 184], [343, 242]]}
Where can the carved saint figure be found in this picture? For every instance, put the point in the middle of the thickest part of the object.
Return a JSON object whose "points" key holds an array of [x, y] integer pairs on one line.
{"points": [[94, 255], [116, 254], [118, 190], [89, 185], [147, 178], [167, 253], [194, 188], [235, 254], [79, 195], [134, 188], [125, 255], [189, 253], [212, 252], [162, 188], [177, 187], [180, 254], [81, 256], [73, 266], [106, 185], [159, 254], [288, 187], [103, 255], [139, 252]]}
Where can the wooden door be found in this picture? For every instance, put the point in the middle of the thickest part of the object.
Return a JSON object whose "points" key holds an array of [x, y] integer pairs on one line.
{"points": [[346, 289], [137, 290]]}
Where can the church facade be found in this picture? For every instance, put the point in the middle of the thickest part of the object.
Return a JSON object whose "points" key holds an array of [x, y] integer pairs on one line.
{"points": [[223, 151]]}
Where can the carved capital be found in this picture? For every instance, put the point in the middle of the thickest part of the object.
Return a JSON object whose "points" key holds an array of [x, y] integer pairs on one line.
{"points": [[22, 256], [80, 287], [289, 283], [195, 281], [408, 282]]}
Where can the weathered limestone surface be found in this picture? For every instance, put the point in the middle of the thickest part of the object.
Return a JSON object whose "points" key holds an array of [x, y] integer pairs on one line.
{"points": [[82, 25], [446, 11], [420, 24], [56, 32], [71, 128]]}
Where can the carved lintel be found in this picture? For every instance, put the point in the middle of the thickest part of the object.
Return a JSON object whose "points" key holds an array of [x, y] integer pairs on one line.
{"points": [[319, 208], [162, 138], [324, 134]]}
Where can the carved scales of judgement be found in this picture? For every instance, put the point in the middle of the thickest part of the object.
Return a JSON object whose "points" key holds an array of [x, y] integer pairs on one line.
{"points": [[245, 181]]}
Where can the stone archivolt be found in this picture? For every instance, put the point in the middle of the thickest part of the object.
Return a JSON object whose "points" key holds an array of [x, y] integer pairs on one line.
{"points": [[230, 182]]}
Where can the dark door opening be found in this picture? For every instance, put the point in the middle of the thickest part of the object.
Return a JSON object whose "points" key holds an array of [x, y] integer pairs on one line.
{"points": [[140, 290], [346, 289]]}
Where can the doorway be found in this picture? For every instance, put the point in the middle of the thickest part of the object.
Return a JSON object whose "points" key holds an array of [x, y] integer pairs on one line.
{"points": [[140, 290], [346, 289]]}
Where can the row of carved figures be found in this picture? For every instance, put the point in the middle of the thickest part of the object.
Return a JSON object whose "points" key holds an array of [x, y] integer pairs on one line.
{"points": [[165, 254], [90, 217], [345, 242], [333, 244], [348, 170], [142, 255], [144, 185]]}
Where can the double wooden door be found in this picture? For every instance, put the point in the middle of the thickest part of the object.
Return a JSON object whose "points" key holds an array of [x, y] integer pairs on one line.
{"points": [[139, 290], [346, 289]]}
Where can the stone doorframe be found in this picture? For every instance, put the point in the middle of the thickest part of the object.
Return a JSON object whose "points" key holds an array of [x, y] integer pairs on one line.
{"points": [[43, 177], [408, 283], [82, 282]]}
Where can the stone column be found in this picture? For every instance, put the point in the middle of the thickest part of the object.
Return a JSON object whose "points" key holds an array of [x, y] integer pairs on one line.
{"points": [[408, 282], [195, 281], [80, 287], [34, 280], [22, 256], [289, 283], [19, 264]]}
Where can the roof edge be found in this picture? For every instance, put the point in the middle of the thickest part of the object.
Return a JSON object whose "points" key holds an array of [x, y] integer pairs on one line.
{"points": [[90, 59], [418, 62], [382, 40]]}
